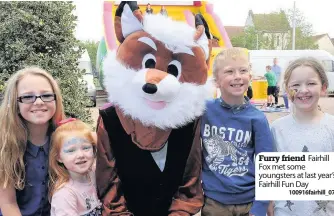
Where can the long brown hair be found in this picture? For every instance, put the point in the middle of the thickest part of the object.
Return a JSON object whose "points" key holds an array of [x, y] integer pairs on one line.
{"points": [[59, 175], [13, 130]]}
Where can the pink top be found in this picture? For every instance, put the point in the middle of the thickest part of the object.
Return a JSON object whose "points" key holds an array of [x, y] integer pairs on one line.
{"points": [[76, 199]]}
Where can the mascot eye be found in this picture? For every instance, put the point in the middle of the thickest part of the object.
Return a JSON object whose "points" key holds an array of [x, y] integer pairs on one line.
{"points": [[174, 68], [149, 61]]}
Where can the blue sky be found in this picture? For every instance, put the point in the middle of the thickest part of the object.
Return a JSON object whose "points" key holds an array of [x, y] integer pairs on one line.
{"points": [[89, 14]]}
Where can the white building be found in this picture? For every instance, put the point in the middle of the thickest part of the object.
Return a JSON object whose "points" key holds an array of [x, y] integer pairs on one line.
{"points": [[273, 29], [324, 42]]}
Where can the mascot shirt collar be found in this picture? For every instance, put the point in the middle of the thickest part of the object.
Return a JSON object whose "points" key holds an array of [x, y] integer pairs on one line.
{"points": [[146, 138]]}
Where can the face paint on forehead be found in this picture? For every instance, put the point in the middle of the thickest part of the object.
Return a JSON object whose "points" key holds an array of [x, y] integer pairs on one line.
{"points": [[75, 140]]}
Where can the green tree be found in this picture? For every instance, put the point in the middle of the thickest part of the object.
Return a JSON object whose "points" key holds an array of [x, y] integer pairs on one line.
{"points": [[91, 47], [42, 34], [249, 39], [304, 31]]}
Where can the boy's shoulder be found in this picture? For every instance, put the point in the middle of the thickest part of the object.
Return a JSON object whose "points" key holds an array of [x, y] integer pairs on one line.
{"points": [[255, 113], [211, 101], [209, 104]]}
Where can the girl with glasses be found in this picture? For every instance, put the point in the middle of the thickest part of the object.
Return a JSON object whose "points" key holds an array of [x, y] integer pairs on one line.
{"points": [[31, 107]]}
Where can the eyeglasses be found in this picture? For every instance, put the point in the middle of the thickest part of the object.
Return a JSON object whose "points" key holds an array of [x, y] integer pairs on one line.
{"points": [[27, 99]]}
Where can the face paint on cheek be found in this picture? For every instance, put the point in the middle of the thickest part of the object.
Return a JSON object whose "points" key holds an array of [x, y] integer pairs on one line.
{"points": [[292, 92]]}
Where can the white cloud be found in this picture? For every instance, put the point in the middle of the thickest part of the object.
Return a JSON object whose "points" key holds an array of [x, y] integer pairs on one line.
{"points": [[89, 25]]}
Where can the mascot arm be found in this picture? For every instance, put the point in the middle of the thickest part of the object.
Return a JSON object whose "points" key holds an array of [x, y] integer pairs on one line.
{"points": [[189, 198], [107, 181]]}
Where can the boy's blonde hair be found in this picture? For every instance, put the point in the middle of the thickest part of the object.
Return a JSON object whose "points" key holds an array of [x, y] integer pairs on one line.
{"points": [[230, 53], [306, 62], [13, 130], [59, 175]]}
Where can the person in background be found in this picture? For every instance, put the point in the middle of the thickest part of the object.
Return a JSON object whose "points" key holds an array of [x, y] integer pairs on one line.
{"points": [[250, 89], [277, 71], [149, 10], [163, 11], [272, 82]]}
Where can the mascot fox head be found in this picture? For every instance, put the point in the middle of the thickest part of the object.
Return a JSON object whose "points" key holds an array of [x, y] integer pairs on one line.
{"points": [[158, 75]]}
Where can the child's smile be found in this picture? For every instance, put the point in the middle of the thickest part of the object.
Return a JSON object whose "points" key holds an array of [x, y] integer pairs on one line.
{"points": [[306, 89], [77, 156]]}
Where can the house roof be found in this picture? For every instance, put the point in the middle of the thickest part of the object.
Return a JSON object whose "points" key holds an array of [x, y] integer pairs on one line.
{"points": [[318, 37], [273, 22], [234, 31]]}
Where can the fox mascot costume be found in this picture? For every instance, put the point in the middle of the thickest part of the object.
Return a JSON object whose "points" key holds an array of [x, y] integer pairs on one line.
{"points": [[149, 152]]}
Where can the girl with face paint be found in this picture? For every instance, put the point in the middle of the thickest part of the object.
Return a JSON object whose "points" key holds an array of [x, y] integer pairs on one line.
{"points": [[306, 129], [72, 170]]}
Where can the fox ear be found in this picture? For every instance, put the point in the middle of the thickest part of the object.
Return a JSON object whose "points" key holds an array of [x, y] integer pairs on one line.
{"points": [[202, 35], [128, 19]]}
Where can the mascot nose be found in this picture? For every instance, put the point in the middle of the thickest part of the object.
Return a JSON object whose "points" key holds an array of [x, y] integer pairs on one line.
{"points": [[150, 88]]}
